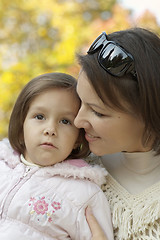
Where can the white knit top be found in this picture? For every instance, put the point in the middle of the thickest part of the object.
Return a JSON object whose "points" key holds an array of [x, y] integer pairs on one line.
{"points": [[134, 216], [133, 192]]}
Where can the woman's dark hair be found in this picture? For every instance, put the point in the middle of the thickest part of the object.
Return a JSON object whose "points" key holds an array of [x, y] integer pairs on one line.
{"points": [[32, 89], [141, 96]]}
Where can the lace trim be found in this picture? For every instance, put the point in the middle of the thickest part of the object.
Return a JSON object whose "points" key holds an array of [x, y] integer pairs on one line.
{"points": [[134, 215]]}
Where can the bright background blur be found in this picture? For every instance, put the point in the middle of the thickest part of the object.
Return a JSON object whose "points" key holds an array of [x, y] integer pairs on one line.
{"points": [[138, 7], [39, 36]]}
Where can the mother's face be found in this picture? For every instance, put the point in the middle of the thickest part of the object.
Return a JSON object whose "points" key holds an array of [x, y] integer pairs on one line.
{"points": [[107, 130]]}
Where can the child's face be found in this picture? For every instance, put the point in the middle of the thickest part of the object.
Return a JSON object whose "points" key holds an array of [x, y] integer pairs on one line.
{"points": [[49, 131]]}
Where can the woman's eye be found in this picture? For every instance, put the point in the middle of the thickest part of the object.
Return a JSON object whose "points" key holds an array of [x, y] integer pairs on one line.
{"points": [[98, 114], [65, 121], [39, 117]]}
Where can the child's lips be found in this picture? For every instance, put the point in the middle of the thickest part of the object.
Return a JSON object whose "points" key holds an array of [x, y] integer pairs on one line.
{"points": [[48, 145]]}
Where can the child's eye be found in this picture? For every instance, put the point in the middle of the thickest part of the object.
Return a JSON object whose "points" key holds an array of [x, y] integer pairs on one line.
{"points": [[39, 117], [65, 121]]}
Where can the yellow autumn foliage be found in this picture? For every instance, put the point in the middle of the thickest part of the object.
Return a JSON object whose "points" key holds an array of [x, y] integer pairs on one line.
{"points": [[43, 36]]}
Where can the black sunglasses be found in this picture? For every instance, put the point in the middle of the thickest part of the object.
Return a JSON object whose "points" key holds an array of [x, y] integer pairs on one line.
{"points": [[112, 57]]}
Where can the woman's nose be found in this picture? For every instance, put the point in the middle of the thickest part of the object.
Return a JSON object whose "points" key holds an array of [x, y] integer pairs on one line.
{"points": [[80, 121]]}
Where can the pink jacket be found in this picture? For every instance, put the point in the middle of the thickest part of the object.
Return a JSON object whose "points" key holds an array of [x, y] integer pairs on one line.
{"points": [[49, 203]]}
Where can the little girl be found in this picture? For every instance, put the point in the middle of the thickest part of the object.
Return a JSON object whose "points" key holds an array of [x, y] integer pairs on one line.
{"points": [[44, 185]]}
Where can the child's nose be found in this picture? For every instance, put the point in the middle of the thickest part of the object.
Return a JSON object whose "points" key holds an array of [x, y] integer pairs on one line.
{"points": [[50, 131]]}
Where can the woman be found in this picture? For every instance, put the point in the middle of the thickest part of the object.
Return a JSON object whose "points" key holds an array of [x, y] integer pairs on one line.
{"points": [[119, 86]]}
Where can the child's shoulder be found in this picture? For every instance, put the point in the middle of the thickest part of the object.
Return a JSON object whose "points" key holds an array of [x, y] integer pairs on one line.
{"points": [[8, 154], [78, 169], [75, 180]]}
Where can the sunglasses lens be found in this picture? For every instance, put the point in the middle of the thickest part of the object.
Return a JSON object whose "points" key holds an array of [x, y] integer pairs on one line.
{"points": [[114, 60], [97, 43]]}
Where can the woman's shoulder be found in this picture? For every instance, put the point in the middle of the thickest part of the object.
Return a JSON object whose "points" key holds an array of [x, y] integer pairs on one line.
{"points": [[132, 213]]}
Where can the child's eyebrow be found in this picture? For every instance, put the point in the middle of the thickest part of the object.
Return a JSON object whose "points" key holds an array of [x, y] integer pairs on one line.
{"points": [[68, 113], [37, 108], [63, 112]]}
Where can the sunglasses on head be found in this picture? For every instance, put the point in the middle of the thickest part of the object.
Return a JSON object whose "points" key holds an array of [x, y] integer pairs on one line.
{"points": [[112, 57]]}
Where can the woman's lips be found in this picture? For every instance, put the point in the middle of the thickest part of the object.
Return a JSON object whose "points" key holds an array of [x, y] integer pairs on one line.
{"points": [[90, 137]]}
